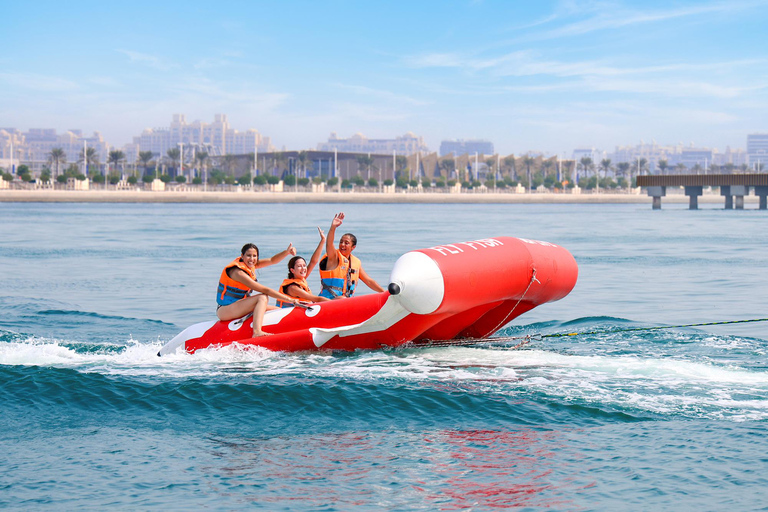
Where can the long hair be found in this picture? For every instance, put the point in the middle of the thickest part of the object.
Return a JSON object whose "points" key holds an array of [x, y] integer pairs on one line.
{"points": [[291, 264]]}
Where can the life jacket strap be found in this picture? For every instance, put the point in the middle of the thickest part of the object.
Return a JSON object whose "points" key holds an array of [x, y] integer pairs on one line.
{"points": [[335, 291]]}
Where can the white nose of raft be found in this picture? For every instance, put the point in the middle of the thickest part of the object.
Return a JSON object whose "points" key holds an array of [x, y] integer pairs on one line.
{"points": [[463, 290]]}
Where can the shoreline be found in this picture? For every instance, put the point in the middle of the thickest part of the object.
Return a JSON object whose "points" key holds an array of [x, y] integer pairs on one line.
{"points": [[141, 196]]}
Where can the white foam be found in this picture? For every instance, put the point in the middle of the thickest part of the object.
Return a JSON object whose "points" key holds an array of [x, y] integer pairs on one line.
{"points": [[652, 384]]}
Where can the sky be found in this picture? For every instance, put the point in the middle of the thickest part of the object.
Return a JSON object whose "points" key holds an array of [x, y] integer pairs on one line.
{"points": [[543, 76]]}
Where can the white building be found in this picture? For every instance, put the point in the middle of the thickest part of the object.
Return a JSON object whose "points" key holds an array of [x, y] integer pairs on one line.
{"points": [[33, 148], [466, 147], [408, 144], [757, 149], [216, 138]]}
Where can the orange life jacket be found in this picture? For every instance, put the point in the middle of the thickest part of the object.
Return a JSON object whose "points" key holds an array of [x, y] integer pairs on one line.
{"points": [[301, 283], [343, 279], [231, 291]]}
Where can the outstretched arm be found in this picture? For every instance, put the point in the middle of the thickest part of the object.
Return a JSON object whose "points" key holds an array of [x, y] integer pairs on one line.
{"points": [[277, 258], [330, 249], [371, 282], [241, 277], [318, 251], [299, 292]]}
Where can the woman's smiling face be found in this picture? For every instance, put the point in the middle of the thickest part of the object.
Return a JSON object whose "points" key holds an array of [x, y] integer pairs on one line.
{"points": [[251, 257], [299, 269]]}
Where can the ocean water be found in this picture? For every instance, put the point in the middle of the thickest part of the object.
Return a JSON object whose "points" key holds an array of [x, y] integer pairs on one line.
{"points": [[619, 419]]}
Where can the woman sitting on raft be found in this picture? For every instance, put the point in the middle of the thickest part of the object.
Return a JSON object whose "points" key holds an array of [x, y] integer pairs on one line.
{"points": [[238, 282], [296, 285]]}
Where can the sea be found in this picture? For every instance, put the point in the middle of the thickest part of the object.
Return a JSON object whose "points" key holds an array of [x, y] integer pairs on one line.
{"points": [[644, 408]]}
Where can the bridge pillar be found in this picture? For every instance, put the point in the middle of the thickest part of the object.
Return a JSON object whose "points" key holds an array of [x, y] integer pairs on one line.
{"points": [[693, 194], [735, 190], [762, 193], [657, 193], [725, 191]]}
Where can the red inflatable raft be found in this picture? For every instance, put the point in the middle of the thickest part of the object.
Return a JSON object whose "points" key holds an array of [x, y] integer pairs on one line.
{"points": [[462, 290]]}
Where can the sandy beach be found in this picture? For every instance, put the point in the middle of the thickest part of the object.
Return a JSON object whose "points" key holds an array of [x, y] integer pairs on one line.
{"points": [[142, 196]]}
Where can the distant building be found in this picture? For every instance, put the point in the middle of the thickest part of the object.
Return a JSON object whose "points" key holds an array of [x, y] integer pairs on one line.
{"points": [[408, 144], [466, 147], [757, 149], [33, 148], [216, 138], [735, 157], [674, 155]]}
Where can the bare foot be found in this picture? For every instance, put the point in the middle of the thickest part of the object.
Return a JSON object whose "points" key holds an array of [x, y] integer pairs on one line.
{"points": [[258, 334]]}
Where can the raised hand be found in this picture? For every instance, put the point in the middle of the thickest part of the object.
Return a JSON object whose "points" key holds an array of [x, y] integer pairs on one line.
{"points": [[291, 249], [337, 220], [322, 235]]}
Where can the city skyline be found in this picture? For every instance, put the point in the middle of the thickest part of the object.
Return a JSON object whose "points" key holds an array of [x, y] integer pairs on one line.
{"points": [[549, 77]]}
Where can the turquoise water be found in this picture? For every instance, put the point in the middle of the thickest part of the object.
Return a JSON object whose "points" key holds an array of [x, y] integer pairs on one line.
{"points": [[91, 418]]}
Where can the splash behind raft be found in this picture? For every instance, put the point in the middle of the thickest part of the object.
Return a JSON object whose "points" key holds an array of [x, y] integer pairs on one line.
{"points": [[455, 291]]}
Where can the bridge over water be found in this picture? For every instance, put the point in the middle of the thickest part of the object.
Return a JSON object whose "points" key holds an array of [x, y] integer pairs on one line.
{"points": [[731, 186]]}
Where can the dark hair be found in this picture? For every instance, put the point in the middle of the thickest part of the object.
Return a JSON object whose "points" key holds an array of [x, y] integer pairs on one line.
{"points": [[291, 264], [249, 246], [352, 237]]}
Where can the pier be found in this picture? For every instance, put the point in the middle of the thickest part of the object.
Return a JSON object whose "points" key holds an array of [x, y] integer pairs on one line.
{"points": [[732, 186]]}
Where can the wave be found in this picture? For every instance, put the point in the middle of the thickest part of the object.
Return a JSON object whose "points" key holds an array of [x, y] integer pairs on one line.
{"points": [[618, 376]]}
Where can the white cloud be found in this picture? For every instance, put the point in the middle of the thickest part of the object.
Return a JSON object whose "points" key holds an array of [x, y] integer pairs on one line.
{"points": [[146, 59], [610, 16]]}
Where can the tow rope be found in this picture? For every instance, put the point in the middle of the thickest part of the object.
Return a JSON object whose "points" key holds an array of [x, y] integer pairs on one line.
{"points": [[524, 340]]}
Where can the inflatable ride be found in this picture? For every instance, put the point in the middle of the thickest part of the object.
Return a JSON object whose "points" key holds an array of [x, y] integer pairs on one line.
{"points": [[455, 291]]}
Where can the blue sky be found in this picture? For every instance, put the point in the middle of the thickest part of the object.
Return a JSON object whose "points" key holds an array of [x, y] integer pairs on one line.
{"points": [[542, 76]]}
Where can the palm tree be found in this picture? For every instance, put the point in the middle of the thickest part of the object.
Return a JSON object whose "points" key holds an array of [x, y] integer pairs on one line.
{"points": [[91, 158], [145, 157], [280, 159], [230, 163], [546, 168], [365, 161], [605, 165], [174, 155], [448, 165], [622, 168], [509, 163], [662, 165], [401, 161], [57, 157], [303, 160], [528, 161], [586, 164], [490, 175], [681, 168], [115, 157]]}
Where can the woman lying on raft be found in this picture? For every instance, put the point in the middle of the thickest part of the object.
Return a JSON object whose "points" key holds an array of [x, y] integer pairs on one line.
{"points": [[296, 285], [239, 291]]}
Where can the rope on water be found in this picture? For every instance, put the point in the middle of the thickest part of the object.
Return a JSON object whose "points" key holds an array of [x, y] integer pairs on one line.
{"points": [[604, 331], [524, 340]]}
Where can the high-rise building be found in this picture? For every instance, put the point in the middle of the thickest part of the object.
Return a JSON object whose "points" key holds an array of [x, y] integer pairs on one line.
{"points": [[466, 147], [33, 148], [757, 149], [408, 144], [216, 138]]}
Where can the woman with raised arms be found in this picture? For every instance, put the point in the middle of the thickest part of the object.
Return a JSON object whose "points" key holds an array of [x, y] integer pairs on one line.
{"points": [[239, 291], [296, 285]]}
